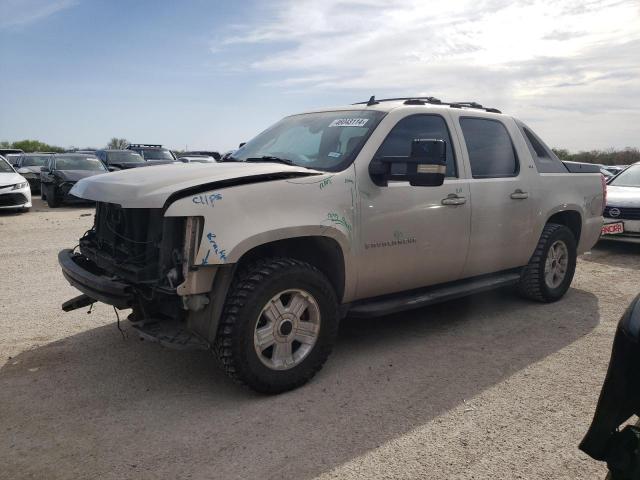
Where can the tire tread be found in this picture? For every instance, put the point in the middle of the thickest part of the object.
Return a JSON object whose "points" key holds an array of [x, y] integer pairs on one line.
{"points": [[246, 281]]}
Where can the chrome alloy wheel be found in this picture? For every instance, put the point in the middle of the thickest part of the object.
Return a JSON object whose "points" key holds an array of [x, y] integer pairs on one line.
{"points": [[287, 329], [555, 268]]}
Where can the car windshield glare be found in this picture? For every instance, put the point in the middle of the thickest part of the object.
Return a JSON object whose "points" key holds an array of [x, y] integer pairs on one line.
{"points": [[78, 163], [324, 141], [629, 178], [5, 167], [34, 160], [124, 157]]}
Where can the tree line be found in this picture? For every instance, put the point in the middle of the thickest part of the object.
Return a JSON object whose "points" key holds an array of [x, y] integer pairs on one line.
{"points": [[30, 146], [611, 156]]}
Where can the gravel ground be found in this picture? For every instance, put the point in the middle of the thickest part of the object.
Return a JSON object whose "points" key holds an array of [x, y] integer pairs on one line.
{"points": [[491, 386]]}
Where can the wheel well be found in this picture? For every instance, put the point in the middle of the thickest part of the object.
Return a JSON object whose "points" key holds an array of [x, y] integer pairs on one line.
{"points": [[570, 219], [324, 253]]}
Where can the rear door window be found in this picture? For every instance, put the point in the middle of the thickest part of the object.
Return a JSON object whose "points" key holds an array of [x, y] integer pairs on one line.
{"points": [[491, 152]]}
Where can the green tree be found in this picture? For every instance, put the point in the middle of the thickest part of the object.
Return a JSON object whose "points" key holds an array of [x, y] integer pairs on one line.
{"points": [[36, 146], [118, 143]]}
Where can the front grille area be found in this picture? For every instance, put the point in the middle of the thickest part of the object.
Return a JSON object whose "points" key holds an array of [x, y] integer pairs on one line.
{"points": [[626, 213], [137, 244], [11, 199]]}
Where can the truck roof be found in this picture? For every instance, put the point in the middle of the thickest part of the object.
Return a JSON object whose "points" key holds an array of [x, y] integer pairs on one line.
{"points": [[388, 104]]}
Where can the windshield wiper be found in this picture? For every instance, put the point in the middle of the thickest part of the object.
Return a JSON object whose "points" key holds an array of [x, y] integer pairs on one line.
{"points": [[270, 158]]}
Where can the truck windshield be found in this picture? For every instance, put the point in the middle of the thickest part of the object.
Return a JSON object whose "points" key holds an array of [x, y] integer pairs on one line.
{"points": [[629, 178], [324, 141], [157, 154], [124, 157]]}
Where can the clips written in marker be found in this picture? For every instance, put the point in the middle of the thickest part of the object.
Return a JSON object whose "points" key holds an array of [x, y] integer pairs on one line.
{"points": [[207, 199]]}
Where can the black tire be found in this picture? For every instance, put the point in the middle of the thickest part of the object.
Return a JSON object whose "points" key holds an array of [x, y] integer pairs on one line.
{"points": [[52, 201], [251, 291], [532, 280], [43, 192]]}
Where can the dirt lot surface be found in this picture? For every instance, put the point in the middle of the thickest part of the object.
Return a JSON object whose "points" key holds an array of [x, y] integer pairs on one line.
{"points": [[488, 387]]}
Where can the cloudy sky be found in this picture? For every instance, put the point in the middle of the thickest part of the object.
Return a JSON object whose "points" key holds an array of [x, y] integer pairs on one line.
{"points": [[214, 73]]}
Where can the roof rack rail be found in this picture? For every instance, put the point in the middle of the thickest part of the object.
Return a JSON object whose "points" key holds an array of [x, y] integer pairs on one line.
{"points": [[143, 145], [431, 100]]}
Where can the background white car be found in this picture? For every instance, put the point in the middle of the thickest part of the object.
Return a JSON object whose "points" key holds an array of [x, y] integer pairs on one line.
{"points": [[622, 213], [15, 192]]}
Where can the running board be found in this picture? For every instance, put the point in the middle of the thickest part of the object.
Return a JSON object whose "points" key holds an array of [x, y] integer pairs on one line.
{"points": [[400, 302]]}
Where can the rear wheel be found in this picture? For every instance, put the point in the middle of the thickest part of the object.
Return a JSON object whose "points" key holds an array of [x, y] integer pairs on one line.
{"points": [[550, 271], [279, 324]]}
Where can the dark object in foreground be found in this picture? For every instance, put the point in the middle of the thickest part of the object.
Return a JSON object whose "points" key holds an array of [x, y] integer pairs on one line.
{"points": [[619, 400]]}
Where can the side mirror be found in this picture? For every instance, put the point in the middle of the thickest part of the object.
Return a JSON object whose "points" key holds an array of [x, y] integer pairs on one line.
{"points": [[425, 167]]}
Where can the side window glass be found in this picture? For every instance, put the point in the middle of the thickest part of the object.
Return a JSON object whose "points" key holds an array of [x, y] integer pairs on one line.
{"points": [[398, 142], [535, 145], [545, 160], [491, 152]]}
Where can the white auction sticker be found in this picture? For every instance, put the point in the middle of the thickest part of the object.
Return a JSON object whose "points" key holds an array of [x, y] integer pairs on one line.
{"points": [[349, 122]]}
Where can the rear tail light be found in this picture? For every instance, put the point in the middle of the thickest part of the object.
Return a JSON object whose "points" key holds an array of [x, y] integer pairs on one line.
{"points": [[604, 192]]}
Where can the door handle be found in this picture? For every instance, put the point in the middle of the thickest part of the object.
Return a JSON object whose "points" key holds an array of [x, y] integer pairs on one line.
{"points": [[519, 195], [453, 199]]}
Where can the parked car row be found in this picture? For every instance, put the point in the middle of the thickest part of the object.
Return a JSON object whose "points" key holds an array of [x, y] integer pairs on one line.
{"points": [[52, 175]]}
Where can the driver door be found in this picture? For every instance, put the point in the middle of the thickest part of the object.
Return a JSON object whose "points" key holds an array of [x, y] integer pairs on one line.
{"points": [[413, 236]]}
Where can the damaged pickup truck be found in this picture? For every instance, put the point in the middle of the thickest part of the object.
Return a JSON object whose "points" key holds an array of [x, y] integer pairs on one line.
{"points": [[365, 210]]}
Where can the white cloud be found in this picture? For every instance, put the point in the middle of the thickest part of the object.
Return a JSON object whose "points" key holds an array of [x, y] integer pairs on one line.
{"points": [[17, 13], [540, 59]]}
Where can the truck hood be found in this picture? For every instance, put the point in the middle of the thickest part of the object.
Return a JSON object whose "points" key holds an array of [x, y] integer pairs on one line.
{"points": [[152, 187], [623, 196]]}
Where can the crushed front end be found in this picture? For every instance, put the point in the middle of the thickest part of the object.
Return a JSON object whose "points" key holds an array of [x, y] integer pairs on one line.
{"points": [[134, 258]]}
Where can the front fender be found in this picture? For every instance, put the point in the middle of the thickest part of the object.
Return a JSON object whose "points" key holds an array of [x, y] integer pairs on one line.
{"points": [[240, 218]]}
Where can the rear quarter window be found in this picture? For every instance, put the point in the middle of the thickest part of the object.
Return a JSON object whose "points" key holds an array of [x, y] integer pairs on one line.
{"points": [[546, 161]]}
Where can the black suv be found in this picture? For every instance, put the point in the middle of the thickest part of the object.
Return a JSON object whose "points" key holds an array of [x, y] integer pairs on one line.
{"points": [[153, 153]]}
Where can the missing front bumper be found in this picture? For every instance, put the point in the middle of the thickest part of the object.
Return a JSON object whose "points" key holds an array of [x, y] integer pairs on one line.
{"points": [[86, 277]]}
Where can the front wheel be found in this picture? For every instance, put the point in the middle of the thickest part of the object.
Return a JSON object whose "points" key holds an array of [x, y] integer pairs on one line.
{"points": [[278, 326], [550, 271]]}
